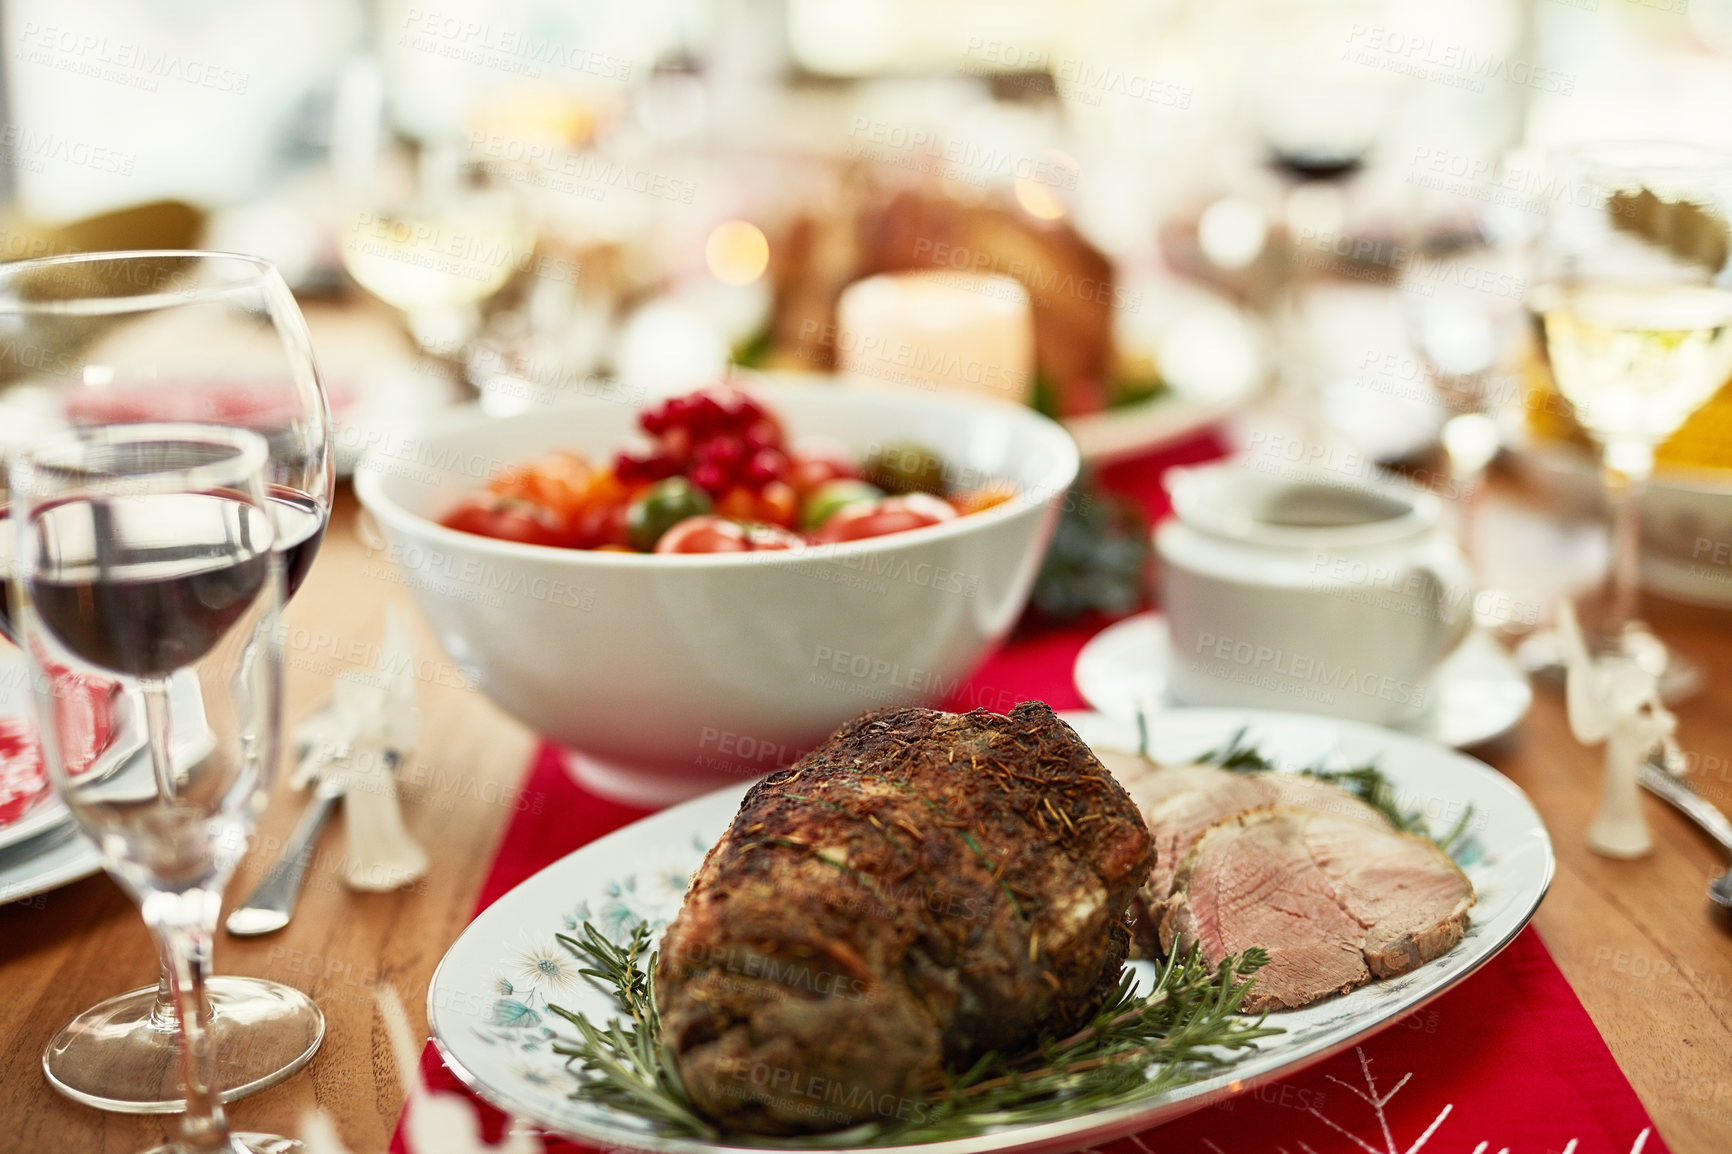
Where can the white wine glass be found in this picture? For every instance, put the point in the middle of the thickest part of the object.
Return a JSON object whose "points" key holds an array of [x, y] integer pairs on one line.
{"points": [[106, 339], [144, 555], [1634, 296], [434, 235]]}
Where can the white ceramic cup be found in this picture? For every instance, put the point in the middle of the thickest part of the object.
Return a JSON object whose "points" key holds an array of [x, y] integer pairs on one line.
{"points": [[1306, 593]]}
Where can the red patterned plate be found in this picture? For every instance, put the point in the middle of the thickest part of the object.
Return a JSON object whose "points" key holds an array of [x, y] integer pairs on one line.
{"points": [[27, 807], [23, 777]]}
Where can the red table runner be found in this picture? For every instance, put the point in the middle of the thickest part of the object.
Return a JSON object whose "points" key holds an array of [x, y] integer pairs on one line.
{"points": [[1507, 1061]]}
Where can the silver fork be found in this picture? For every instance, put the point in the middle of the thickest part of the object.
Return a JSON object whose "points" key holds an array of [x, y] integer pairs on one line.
{"points": [[1699, 810]]}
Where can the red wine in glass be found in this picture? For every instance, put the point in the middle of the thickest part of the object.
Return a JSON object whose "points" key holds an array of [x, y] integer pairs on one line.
{"points": [[300, 522], [175, 576], [300, 525]]}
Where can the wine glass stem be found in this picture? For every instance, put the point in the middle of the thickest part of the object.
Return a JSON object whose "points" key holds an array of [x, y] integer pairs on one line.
{"points": [[1627, 467], [154, 690], [1470, 442], [163, 1015], [183, 924]]}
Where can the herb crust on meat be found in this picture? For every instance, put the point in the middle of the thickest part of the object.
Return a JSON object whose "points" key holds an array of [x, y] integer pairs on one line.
{"points": [[921, 890]]}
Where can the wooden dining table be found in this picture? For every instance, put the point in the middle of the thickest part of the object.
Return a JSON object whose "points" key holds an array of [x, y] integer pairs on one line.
{"points": [[1638, 941]]}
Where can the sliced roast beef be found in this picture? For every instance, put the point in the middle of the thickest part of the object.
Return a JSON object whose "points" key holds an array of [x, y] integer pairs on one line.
{"points": [[1180, 803], [1334, 901]]}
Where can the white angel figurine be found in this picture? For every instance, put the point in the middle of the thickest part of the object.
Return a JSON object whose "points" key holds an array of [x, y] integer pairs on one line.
{"points": [[384, 723], [1614, 700], [353, 747]]}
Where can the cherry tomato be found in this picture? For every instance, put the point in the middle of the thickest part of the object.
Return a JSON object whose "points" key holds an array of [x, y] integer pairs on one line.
{"points": [[601, 525], [609, 489], [738, 503], [506, 519], [766, 538], [778, 504], [705, 535], [557, 481], [879, 518], [807, 473]]}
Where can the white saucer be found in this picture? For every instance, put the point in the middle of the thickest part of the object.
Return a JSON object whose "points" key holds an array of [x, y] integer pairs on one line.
{"points": [[1481, 693]]}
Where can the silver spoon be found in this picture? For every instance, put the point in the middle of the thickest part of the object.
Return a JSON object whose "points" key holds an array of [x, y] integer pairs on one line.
{"points": [[1699, 810]]}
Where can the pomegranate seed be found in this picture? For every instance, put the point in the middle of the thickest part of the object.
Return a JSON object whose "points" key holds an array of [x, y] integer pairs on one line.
{"points": [[766, 465], [724, 451], [709, 477], [707, 413], [763, 434], [677, 443], [746, 410], [678, 412]]}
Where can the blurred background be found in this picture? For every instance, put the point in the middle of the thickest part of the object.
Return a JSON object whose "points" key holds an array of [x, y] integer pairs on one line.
{"points": [[1311, 216]]}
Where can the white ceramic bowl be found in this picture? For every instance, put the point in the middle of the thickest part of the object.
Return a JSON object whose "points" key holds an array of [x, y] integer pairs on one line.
{"points": [[665, 676]]}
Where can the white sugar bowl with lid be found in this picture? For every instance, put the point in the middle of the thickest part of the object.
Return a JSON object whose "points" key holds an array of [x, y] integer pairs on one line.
{"points": [[1307, 592]]}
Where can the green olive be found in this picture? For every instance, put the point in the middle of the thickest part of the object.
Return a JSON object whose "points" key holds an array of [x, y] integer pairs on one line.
{"points": [[831, 497], [660, 507], [906, 468]]}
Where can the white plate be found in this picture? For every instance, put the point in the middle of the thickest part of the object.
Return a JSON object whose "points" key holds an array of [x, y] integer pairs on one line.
{"points": [[1481, 693], [47, 813], [42, 850], [59, 857], [488, 1000], [1211, 353]]}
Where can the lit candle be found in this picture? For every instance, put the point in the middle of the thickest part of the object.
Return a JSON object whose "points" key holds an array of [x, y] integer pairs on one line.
{"points": [[938, 329]]}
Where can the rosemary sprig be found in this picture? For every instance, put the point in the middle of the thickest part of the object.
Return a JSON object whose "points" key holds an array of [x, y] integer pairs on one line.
{"points": [[625, 1065], [1366, 782], [1137, 1046]]}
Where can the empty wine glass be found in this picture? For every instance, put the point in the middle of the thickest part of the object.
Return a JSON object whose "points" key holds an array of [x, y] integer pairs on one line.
{"points": [[144, 555], [1463, 278], [1634, 296], [103, 339]]}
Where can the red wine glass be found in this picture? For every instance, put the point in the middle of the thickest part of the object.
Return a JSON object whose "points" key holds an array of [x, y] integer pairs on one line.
{"points": [[105, 340], [144, 555]]}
